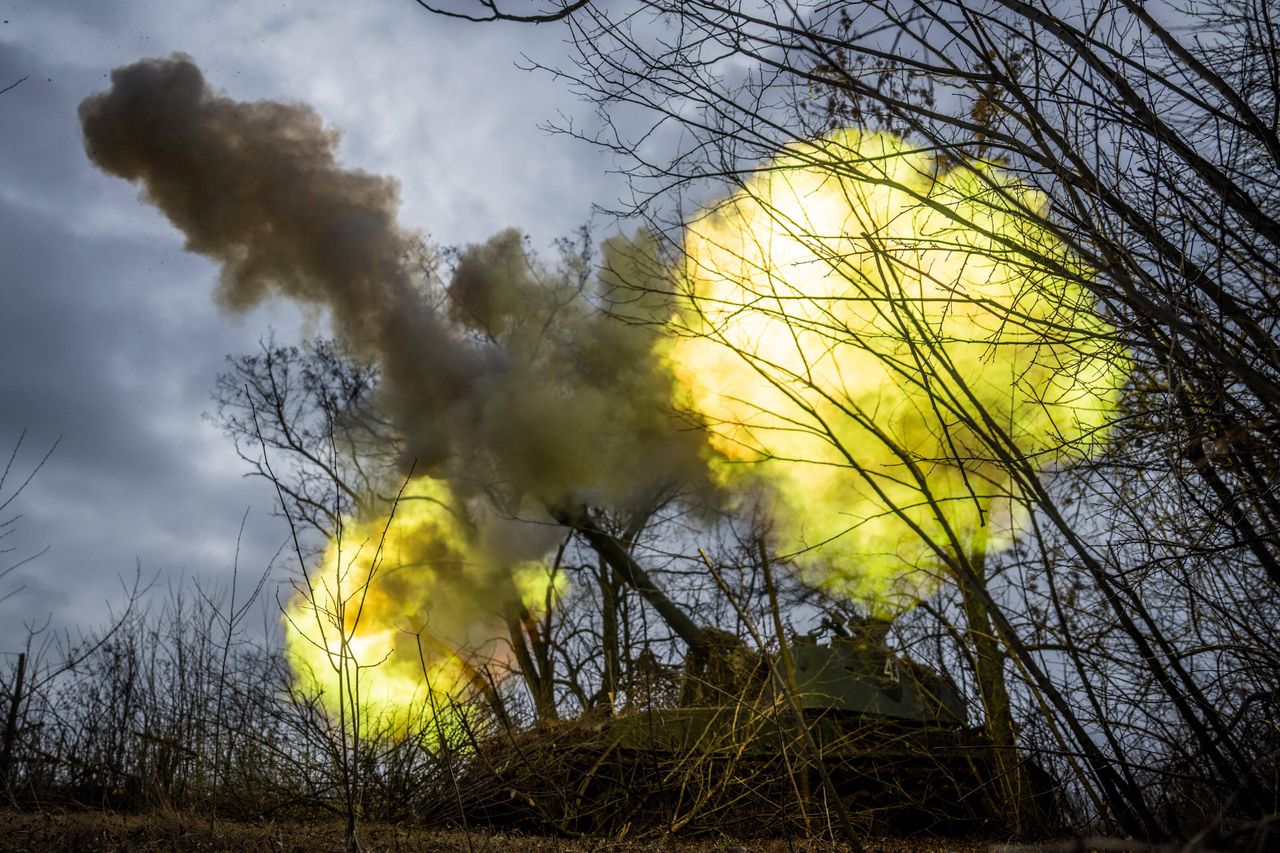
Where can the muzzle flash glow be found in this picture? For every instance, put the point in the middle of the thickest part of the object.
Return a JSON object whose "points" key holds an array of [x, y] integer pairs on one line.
{"points": [[876, 344], [403, 611]]}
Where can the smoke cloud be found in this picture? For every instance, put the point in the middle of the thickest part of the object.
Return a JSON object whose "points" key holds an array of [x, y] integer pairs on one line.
{"points": [[844, 345], [520, 383]]}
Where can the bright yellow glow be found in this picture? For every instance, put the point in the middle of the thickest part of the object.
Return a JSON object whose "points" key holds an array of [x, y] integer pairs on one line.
{"points": [[404, 612], [854, 327]]}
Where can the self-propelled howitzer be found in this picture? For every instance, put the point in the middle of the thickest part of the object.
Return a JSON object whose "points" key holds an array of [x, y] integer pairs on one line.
{"points": [[756, 740]]}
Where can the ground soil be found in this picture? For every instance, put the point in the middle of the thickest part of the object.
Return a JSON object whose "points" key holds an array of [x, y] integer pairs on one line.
{"points": [[39, 832]]}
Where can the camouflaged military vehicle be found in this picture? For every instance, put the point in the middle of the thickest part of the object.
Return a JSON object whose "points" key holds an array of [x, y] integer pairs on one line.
{"points": [[757, 742]]}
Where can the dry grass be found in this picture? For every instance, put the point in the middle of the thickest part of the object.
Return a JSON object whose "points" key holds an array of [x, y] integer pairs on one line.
{"points": [[171, 831]]}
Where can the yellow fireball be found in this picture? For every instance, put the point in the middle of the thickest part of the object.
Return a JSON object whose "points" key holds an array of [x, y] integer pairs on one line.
{"points": [[402, 621], [869, 337]]}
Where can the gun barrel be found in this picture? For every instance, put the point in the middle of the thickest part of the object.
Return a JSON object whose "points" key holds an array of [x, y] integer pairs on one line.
{"points": [[625, 565]]}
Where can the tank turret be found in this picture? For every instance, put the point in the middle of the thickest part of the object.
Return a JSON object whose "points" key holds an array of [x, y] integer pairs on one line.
{"points": [[858, 673]]}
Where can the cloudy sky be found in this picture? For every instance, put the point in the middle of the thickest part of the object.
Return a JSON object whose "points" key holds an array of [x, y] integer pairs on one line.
{"points": [[109, 337]]}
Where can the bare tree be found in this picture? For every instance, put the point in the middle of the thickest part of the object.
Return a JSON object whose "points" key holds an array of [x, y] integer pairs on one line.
{"points": [[8, 523], [1134, 617], [309, 402]]}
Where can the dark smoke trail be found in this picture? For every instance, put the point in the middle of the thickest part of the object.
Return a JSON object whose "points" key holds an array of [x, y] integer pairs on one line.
{"points": [[256, 187], [531, 387]]}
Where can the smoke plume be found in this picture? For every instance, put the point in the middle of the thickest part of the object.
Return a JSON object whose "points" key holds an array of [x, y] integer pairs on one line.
{"points": [[866, 338], [520, 383]]}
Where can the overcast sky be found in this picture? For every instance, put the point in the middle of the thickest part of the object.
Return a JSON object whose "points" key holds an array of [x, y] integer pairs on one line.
{"points": [[108, 333]]}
